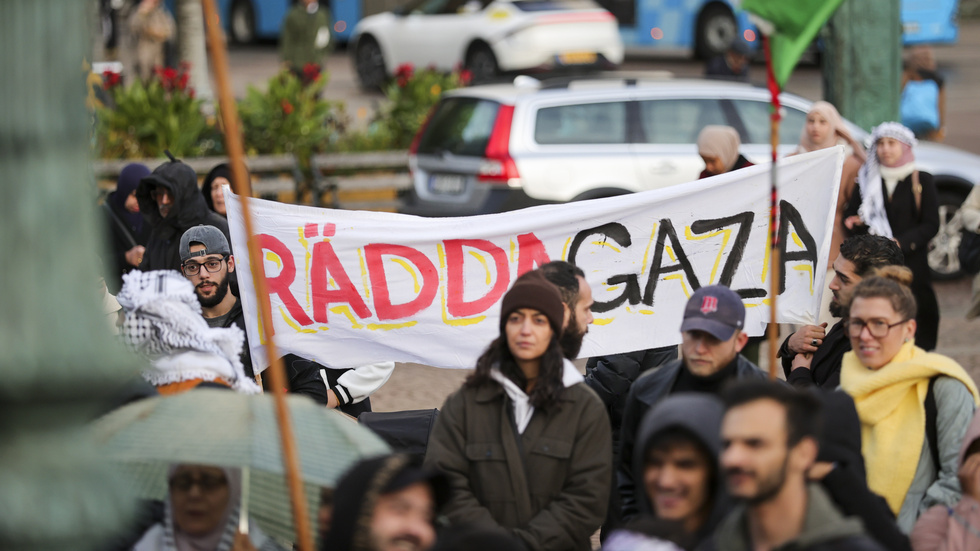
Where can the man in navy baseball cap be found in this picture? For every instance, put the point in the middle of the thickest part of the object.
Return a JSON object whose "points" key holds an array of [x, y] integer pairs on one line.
{"points": [[711, 339]]}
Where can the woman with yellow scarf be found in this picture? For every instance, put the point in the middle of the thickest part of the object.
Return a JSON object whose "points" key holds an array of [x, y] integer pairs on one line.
{"points": [[889, 379]]}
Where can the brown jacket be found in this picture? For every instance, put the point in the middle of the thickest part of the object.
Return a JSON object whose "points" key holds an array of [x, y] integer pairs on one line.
{"points": [[549, 487]]}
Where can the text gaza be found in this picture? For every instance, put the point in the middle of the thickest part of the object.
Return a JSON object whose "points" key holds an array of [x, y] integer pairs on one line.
{"points": [[325, 266]]}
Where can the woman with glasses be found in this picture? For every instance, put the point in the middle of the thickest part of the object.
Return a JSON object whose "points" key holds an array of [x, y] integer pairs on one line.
{"points": [[915, 406], [201, 513]]}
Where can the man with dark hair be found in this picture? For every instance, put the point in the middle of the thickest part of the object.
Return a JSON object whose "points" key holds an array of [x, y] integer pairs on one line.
{"points": [[712, 338], [206, 261], [811, 357], [677, 462], [386, 503], [577, 297], [769, 439]]}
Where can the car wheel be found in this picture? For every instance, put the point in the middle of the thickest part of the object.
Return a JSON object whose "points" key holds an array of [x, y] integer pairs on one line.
{"points": [[482, 64], [716, 31], [242, 22], [370, 64], [944, 248]]}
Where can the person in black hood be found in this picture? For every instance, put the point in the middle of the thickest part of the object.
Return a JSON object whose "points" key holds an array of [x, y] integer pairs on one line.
{"points": [[841, 473], [171, 204], [676, 463], [211, 189], [127, 232], [386, 503]]}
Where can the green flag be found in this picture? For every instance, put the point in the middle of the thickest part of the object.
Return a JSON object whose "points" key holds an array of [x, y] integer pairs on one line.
{"points": [[796, 23]]}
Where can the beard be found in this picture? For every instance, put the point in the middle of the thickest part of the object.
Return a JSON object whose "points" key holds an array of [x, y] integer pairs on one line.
{"points": [[836, 309], [219, 293], [769, 485], [571, 338]]}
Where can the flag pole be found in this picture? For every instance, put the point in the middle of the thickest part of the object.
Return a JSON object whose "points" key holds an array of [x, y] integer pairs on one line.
{"points": [[774, 263], [243, 188]]}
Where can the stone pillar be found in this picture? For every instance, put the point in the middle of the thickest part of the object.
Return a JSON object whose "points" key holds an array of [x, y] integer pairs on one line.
{"points": [[191, 45], [58, 364], [862, 61]]}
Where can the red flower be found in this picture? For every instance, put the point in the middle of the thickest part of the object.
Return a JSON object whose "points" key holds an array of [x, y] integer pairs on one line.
{"points": [[110, 80], [190, 93], [287, 107], [311, 72], [182, 81], [404, 72], [465, 77]]}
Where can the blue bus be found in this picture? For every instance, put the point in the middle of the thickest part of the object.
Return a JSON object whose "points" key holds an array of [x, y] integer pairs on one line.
{"points": [[705, 27]]}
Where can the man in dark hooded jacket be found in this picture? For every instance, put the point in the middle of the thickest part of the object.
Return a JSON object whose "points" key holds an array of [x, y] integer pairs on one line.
{"points": [[676, 466], [171, 203]]}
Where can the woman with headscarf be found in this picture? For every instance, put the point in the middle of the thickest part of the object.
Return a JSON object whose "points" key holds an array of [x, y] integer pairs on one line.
{"points": [[915, 406], [201, 513], [525, 443], [127, 232], [212, 189], [718, 147], [901, 203], [825, 128]]}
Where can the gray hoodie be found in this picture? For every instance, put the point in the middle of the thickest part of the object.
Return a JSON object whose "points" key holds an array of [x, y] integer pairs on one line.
{"points": [[700, 415]]}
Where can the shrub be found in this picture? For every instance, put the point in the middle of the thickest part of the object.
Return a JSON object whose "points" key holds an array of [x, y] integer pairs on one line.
{"points": [[143, 119], [411, 95], [289, 117]]}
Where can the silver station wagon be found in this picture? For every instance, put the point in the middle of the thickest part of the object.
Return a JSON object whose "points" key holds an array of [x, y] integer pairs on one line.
{"points": [[506, 146]]}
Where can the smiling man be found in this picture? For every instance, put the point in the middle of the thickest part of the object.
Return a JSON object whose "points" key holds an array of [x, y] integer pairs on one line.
{"points": [[712, 338], [677, 457]]}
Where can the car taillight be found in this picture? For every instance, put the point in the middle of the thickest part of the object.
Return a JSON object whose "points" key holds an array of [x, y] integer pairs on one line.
{"points": [[414, 148], [498, 167]]}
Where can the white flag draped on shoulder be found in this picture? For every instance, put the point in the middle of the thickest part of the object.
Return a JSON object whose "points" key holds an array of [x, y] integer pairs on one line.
{"points": [[349, 288]]}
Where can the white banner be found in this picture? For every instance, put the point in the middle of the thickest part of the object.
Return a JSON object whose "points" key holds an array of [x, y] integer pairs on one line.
{"points": [[348, 288]]}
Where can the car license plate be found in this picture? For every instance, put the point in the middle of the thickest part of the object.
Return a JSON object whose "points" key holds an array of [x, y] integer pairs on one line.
{"points": [[447, 184], [577, 58]]}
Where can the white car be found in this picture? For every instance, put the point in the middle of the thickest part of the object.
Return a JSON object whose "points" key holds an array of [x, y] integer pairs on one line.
{"points": [[507, 146], [487, 37]]}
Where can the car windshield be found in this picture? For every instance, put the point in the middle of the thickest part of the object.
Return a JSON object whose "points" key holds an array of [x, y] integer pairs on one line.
{"points": [[460, 126], [551, 5]]}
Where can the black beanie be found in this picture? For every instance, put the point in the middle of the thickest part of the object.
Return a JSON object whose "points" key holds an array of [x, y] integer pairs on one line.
{"points": [[534, 291]]}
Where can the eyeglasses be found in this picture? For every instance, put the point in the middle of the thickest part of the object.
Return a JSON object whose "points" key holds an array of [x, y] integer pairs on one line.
{"points": [[206, 482], [211, 265], [878, 328]]}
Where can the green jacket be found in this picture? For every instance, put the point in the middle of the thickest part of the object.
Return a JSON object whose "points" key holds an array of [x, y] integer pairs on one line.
{"points": [[824, 528], [550, 487], [298, 38]]}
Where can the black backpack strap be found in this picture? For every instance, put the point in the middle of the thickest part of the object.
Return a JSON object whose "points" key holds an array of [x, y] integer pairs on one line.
{"points": [[932, 417]]}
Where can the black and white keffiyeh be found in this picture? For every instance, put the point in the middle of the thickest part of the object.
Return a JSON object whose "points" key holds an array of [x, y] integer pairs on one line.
{"points": [[164, 324], [872, 210]]}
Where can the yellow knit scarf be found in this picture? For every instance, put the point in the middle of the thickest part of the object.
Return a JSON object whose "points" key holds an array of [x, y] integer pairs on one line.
{"points": [[890, 403]]}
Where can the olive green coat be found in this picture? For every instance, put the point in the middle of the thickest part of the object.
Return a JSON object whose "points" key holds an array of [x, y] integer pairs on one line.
{"points": [[549, 486]]}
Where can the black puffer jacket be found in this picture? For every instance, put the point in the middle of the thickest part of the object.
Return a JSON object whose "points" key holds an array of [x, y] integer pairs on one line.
{"points": [[188, 210]]}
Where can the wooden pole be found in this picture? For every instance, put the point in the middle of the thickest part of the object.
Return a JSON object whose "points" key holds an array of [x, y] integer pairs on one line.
{"points": [[243, 188], [774, 275]]}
